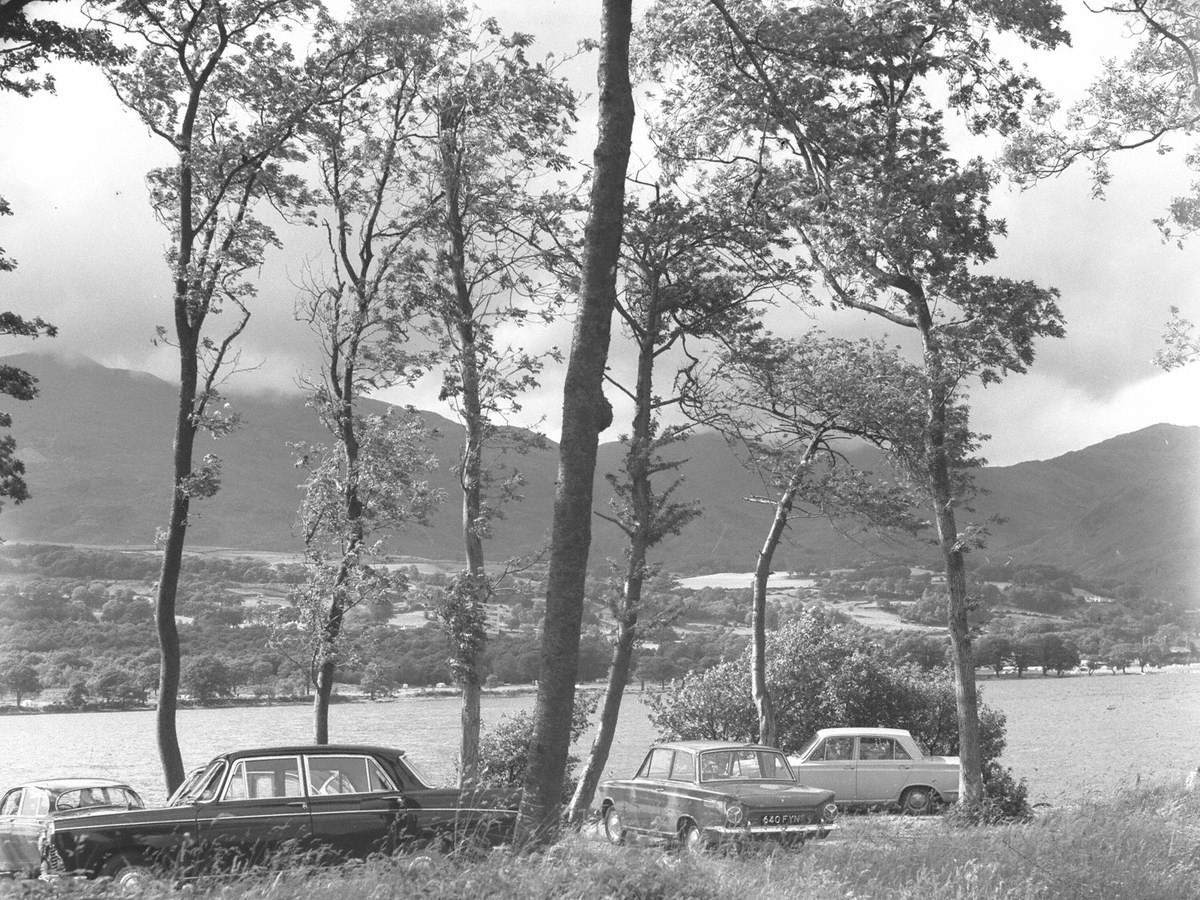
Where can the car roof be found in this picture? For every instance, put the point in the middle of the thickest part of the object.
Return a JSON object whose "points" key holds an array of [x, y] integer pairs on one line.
{"points": [[58, 785], [864, 732], [292, 749], [700, 746]]}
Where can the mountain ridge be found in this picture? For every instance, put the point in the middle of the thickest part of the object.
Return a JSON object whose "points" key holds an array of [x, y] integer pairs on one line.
{"points": [[97, 443]]}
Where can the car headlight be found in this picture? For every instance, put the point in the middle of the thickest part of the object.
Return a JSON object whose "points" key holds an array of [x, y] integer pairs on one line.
{"points": [[829, 811], [734, 813]]}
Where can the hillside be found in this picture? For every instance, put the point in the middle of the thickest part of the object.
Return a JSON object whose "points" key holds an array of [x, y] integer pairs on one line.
{"points": [[97, 442]]}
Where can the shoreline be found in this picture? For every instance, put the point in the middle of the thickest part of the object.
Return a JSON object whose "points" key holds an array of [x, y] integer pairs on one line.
{"points": [[518, 690]]}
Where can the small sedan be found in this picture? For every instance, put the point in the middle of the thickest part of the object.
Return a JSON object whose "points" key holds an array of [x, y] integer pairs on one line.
{"points": [[700, 793], [878, 767], [25, 811], [270, 806]]}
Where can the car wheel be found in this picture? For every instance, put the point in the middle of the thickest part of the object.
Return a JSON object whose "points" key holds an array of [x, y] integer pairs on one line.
{"points": [[129, 874], [917, 801], [691, 838], [614, 831]]}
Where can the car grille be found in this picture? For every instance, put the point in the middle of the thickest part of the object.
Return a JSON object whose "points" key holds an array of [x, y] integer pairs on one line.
{"points": [[52, 862]]}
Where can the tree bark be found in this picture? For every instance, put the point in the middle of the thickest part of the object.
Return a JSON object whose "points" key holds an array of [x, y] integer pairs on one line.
{"points": [[463, 322], [585, 414], [942, 493], [762, 572], [618, 678]]}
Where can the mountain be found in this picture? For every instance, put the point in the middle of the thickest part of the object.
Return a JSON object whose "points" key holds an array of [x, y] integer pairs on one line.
{"points": [[97, 441]]}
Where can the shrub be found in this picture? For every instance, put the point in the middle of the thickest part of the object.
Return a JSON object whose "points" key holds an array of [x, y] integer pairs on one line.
{"points": [[822, 673], [504, 750]]}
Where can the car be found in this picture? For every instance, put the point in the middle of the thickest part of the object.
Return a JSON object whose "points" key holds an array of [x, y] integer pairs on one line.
{"points": [[878, 767], [27, 809], [261, 806], [701, 793]]}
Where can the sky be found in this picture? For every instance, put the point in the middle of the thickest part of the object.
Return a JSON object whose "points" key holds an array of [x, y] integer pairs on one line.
{"points": [[90, 257]]}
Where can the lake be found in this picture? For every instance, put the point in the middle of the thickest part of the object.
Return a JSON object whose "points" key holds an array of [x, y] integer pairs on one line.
{"points": [[1071, 738]]}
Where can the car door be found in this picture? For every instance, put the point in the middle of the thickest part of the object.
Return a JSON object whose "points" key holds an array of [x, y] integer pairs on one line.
{"points": [[884, 768], [648, 793], [354, 805], [262, 812], [831, 765], [18, 833], [679, 793]]}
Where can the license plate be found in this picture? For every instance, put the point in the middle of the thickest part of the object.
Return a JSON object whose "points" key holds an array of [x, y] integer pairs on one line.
{"points": [[785, 819]]}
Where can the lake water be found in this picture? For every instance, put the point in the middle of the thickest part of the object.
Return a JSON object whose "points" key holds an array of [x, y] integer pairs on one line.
{"points": [[1071, 738]]}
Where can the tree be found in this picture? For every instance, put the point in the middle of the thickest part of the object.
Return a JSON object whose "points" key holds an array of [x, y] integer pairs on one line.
{"points": [[501, 122], [20, 385], [367, 482], [790, 402], [995, 651], [364, 486], [212, 80], [586, 413], [207, 678], [20, 679], [857, 158], [1146, 99], [689, 273]]}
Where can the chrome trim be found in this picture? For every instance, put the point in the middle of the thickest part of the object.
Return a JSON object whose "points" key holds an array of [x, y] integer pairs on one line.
{"points": [[59, 828], [753, 830]]}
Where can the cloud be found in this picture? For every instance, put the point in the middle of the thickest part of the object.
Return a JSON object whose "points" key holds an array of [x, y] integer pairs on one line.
{"points": [[1040, 416]]}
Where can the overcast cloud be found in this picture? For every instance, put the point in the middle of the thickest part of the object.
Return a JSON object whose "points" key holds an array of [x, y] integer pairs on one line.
{"points": [[90, 258]]}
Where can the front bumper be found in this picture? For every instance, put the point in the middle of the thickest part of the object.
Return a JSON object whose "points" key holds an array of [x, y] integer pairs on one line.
{"points": [[744, 832]]}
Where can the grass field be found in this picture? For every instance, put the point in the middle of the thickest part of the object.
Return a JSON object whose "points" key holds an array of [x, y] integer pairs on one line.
{"points": [[1140, 846]]}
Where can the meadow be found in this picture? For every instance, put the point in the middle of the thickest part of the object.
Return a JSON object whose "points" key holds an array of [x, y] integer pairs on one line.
{"points": [[1135, 845]]}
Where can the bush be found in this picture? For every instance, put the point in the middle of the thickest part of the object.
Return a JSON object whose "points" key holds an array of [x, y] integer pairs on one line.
{"points": [[822, 673], [504, 750]]}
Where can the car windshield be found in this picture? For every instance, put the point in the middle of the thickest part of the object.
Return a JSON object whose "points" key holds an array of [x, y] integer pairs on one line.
{"points": [[198, 785], [417, 772], [744, 765], [804, 751]]}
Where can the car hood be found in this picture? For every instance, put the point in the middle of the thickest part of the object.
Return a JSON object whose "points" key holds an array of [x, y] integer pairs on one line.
{"points": [[769, 794]]}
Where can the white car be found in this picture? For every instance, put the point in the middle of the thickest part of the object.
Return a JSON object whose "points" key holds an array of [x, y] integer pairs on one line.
{"points": [[877, 767]]}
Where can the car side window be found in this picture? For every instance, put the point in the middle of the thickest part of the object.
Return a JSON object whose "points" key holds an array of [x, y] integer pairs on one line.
{"points": [[346, 775], [657, 764], [11, 802], [836, 748], [684, 767], [901, 751], [876, 748], [36, 802], [264, 778]]}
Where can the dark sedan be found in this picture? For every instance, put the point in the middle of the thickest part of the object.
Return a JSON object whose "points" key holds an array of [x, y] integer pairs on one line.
{"points": [[256, 806], [699, 793], [25, 811]]}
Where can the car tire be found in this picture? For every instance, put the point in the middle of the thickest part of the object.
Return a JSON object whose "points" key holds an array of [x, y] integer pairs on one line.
{"points": [[614, 831], [691, 839], [918, 801], [129, 874]]}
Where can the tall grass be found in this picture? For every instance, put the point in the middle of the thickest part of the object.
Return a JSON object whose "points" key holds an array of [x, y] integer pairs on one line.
{"points": [[1141, 846]]}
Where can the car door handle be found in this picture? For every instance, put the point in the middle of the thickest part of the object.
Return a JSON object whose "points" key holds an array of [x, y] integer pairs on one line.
{"points": [[302, 804]]}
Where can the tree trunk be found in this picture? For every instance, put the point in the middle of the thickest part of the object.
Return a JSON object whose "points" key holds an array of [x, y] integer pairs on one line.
{"points": [[941, 490], [168, 578], [471, 475], [762, 571], [585, 414], [618, 677]]}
